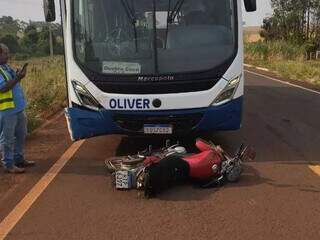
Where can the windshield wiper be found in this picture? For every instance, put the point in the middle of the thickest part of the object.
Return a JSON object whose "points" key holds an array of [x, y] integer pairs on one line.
{"points": [[171, 16], [155, 47], [132, 18], [175, 11]]}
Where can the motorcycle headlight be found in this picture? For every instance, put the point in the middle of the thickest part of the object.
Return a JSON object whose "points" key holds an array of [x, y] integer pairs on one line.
{"points": [[228, 92], [84, 96]]}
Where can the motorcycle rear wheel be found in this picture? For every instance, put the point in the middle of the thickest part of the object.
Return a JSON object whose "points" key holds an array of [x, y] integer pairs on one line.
{"points": [[123, 163]]}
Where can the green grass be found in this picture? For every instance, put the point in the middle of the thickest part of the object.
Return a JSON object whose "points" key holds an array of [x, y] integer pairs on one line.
{"points": [[286, 60], [276, 50], [44, 87]]}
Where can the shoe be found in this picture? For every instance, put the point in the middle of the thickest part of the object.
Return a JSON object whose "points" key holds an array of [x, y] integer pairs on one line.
{"points": [[15, 170], [26, 163]]}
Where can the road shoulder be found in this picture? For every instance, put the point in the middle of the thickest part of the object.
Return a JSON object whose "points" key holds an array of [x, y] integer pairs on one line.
{"points": [[268, 73], [45, 146]]}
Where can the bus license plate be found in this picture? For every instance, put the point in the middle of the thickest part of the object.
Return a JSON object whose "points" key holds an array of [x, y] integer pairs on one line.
{"points": [[157, 129]]}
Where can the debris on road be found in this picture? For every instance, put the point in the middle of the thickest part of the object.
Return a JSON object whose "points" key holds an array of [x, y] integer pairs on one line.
{"points": [[153, 171]]}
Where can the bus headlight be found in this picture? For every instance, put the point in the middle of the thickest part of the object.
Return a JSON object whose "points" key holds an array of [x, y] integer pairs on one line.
{"points": [[228, 92], [84, 96]]}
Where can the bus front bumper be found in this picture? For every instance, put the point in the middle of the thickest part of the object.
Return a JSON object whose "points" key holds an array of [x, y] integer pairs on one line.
{"points": [[84, 123]]}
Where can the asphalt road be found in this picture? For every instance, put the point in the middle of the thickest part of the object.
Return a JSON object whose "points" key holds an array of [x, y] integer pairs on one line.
{"points": [[278, 196]]}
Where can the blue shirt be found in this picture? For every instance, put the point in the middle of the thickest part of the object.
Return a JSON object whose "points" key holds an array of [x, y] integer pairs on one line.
{"points": [[18, 95]]}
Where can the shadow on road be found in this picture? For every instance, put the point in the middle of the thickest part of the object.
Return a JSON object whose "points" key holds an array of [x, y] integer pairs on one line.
{"points": [[133, 144], [192, 191]]}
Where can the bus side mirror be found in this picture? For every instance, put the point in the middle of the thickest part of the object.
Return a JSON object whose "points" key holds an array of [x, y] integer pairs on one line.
{"points": [[49, 10], [250, 5]]}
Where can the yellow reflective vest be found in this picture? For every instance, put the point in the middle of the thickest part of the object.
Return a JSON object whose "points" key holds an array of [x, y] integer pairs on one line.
{"points": [[6, 98]]}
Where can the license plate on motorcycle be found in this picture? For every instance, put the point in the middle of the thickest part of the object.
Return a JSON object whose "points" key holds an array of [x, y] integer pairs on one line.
{"points": [[157, 129], [123, 180]]}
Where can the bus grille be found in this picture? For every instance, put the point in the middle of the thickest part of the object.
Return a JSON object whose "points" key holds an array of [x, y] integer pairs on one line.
{"points": [[156, 88]]}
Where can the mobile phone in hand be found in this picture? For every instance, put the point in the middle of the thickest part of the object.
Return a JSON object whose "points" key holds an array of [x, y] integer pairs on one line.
{"points": [[24, 67]]}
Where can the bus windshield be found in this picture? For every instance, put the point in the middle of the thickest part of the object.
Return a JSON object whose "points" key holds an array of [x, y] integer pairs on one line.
{"points": [[153, 36]]}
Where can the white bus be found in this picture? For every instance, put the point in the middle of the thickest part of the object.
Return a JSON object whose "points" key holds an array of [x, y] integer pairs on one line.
{"points": [[152, 66]]}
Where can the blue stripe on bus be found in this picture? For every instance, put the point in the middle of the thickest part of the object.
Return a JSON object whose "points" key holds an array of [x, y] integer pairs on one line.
{"points": [[85, 123]]}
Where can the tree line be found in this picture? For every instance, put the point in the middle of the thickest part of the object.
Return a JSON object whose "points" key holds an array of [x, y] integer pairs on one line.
{"points": [[30, 39], [296, 21]]}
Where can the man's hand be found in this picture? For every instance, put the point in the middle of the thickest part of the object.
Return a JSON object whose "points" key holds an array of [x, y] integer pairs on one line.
{"points": [[21, 73], [11, 83]]}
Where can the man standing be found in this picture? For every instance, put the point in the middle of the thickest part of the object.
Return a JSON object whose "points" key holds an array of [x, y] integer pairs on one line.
{"points": [[13, 122]]}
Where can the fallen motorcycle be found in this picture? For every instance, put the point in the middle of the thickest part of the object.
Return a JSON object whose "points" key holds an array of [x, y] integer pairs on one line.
{"points": [[154, 171]]}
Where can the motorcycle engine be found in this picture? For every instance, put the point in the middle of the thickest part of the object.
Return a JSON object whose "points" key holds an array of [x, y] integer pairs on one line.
{"points": [[233, 170]]}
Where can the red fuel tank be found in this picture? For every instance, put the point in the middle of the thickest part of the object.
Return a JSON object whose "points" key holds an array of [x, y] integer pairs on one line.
{"points": [[201, 164]]}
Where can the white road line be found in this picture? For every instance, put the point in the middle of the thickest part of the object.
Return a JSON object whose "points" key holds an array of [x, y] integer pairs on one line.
{"points": [[283, 82], [23, 206], [263, 69]]}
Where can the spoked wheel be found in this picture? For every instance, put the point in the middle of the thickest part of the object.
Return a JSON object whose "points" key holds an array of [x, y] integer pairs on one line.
{"points": [[114, 164], [123, 163]]}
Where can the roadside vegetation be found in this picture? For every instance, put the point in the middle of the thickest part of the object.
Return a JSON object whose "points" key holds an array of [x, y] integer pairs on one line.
{"points": [[44, 87], [285, 59], [289, 41]]}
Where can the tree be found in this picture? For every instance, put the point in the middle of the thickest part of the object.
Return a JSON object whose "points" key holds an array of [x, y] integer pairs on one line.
{"points": [[12, 43], [30, 39], [293, 20], [9, 26], [43, 41]]}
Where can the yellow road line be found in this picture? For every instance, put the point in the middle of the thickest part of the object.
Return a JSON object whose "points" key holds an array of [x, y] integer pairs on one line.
{"points": [[22, 207], [315, 169]]}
